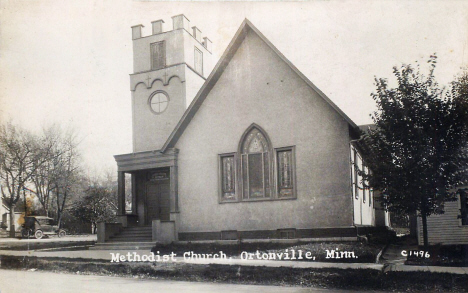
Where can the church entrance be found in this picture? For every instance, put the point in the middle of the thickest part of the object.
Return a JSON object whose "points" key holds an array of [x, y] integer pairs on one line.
{"points": [[157, 200]]}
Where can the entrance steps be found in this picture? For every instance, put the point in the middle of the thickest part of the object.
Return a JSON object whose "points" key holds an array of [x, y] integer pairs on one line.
{"points": [[131, 238]]}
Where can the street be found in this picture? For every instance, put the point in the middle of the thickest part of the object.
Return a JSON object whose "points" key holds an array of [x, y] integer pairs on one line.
{"points": [[13, 281]]}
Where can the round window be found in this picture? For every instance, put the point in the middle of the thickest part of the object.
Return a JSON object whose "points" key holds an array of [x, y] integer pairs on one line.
{"points": [[159, 102]]}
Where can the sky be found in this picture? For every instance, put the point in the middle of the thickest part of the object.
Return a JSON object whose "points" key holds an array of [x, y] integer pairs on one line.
{"points": [[68, 62]]}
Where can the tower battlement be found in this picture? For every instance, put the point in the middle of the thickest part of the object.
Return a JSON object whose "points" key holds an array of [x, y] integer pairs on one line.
{"points": [[178, 22]]}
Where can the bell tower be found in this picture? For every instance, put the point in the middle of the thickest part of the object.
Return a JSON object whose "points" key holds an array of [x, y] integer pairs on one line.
{"points": [[169, 67]]}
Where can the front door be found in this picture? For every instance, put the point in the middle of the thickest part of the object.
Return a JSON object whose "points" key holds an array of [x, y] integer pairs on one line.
{"points": [[157, 200]]}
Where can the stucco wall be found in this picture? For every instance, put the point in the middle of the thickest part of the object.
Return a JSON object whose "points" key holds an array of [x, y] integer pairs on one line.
{"points": [[193, 84], [151, 130], [258, 87]]}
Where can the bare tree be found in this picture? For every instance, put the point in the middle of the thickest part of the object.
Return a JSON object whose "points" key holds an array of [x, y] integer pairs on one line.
{"points": [[44, 174], [58, 176], [66, 173], [21, 153]]}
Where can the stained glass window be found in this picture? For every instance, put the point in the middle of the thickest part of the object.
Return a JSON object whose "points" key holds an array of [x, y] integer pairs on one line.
{"points": [[228, 177], [285, 173], [250, 173], [255, 162]]}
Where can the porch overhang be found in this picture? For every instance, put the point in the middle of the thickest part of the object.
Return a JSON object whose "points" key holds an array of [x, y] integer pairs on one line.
{"points": [[134, 162], [146, 160]]}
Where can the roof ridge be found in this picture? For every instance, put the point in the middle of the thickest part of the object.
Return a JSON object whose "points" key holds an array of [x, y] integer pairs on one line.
{"points": [[219, 69]]}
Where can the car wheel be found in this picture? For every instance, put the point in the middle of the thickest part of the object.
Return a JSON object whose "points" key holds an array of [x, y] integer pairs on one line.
{"points": [[38, 234], [62, 233], [25, 233]]}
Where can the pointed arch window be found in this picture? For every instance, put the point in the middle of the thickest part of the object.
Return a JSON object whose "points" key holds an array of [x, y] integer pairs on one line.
{"points": [[257, 171], [255, 151]]}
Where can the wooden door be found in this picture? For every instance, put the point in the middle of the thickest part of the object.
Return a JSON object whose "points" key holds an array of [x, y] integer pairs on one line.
{"points": [[157, 201]]}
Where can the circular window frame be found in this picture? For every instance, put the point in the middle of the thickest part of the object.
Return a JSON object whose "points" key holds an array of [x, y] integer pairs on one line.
{"points": [[151, 98]]}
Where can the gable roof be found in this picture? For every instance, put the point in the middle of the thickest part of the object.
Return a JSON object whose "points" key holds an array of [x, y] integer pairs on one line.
{"points": [[223, 62]]}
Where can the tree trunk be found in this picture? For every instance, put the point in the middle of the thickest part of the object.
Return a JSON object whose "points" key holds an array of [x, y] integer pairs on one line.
{"points": [[413, 225], [12, 221], [424, 222]]}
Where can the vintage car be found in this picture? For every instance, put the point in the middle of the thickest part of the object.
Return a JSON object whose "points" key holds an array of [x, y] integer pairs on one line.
{"points": [[38, 226]]}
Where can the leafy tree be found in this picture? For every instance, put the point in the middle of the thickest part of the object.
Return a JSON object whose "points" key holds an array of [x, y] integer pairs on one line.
{"points": [[97, 205], [417, 151]]}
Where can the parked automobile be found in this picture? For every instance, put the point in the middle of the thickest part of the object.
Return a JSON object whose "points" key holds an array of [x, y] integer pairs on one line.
{"points": [[38, 226]]}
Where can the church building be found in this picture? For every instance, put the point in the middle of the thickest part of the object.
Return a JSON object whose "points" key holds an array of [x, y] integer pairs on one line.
{"points": [[246, 149]]}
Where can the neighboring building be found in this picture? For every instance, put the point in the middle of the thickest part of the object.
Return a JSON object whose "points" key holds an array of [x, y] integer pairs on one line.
{"points": [[451, 227], [3, 211], [252, 151]]}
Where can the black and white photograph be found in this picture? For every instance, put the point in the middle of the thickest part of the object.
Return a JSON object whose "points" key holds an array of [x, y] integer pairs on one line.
{"points": [[233, 146]]}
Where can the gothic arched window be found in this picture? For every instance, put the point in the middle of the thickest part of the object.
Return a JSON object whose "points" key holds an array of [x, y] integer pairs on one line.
{"points": [[250, 173], [255, 164]]}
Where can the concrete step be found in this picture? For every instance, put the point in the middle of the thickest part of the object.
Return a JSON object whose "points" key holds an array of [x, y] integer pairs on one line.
{"points": [[123, 245], [130, 234], [126, 234], [124, 239], [138, 228]]}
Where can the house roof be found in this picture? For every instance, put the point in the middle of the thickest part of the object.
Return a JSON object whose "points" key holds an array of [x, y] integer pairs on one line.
{"points": [[367, 127], [230, 51]]}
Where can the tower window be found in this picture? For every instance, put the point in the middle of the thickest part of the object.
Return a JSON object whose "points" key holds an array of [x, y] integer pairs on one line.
{"points": [[198, 61], [158, 102], [158, 55]]}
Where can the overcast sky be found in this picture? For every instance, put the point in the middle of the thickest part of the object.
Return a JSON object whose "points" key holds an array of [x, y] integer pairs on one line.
{"points": [[68, 62]]}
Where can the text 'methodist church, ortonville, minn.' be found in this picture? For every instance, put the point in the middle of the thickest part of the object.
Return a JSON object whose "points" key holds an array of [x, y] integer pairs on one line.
{"points": [[248, 148]]}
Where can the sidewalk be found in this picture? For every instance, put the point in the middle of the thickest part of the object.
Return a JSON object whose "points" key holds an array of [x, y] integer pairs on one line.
{"points": [[52, 242], [11, 241], [106, 255]]}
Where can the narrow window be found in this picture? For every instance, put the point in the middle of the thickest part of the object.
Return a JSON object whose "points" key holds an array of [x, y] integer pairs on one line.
{"points": [[198, 61], [371, 191], [356, 174], [255, 165], [158, 55], [363, 183], [285, 159], [228, 178]]}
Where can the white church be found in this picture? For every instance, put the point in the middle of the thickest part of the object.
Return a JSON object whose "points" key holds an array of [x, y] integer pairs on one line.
{"points": [[247, 148]]}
